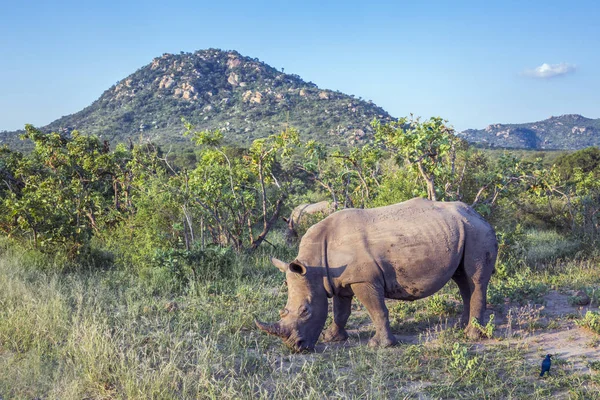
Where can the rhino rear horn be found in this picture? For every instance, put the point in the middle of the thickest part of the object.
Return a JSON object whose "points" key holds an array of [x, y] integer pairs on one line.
{"points": [[282, 266]]}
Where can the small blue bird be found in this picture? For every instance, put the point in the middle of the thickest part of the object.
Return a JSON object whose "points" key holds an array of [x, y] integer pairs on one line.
{"points": [[546, 365]]}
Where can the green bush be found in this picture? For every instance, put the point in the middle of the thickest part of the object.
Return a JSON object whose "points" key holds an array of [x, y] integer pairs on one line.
{"points": [[544, 246], [461, 363], [397, 185], [518, 287], [189, 267], [488, 329], [510, 251], [519, 248], [438, 305], [591, 321]]}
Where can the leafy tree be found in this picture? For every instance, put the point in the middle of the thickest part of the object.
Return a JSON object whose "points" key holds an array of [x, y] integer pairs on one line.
{"points": [[263, 155], [315, 164], [61, 195], [506, 174], [428, 146], [585, 160], [359, 173], [351, 177], [232, 195]]}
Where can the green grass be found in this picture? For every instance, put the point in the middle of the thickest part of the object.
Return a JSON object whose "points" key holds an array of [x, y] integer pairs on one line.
{"points": [[544, 246], [102, 334]]}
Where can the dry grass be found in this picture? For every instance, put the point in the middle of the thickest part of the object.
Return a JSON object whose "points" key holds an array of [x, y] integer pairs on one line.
{"points": [[102, 336]]}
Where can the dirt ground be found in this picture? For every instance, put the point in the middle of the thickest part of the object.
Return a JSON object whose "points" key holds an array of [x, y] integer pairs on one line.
{"points": [[536, 329], [562, 338]]}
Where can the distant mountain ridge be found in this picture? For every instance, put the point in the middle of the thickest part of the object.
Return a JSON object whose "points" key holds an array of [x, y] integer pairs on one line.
{"points": [[565, 132], [248, 99], [215, 89]]}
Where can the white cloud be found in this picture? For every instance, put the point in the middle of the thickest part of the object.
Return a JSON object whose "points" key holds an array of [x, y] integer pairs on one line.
{"points": [[546, 71]]}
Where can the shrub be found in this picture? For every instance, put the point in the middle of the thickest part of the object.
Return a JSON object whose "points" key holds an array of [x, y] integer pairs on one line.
{"points": [[543, 246], [488, 329], [438, 305], [185, 267], [461, 363], [591, 321], [519, 287]]}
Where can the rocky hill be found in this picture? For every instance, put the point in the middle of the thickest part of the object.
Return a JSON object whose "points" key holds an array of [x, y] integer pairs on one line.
{"points": [[567, 132], [241, 96]]}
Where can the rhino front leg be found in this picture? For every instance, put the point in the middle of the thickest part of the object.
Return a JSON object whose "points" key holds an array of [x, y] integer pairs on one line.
{"points": [[336, 332], [372, 298]]}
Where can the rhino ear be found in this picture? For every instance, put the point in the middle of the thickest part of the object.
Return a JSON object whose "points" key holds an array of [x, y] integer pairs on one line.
{"points": [[282, 266], [297, 268]]}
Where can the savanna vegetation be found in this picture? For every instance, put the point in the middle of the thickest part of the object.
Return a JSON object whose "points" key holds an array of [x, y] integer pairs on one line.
{"points": [[137, 272]]}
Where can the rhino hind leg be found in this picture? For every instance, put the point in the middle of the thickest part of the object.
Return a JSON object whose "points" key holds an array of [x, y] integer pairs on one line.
{"points": [[372, 298], [342, 306], [465, 293], [478, 271], [477, 309]]}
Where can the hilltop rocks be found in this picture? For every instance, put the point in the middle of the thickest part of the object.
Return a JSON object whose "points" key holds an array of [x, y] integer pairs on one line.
{"points": [[257, 98], [216, 89], [490, 128], [185, 91], [505, 133], [233, 62], [233, 79], [252, 97], [166, 82]]}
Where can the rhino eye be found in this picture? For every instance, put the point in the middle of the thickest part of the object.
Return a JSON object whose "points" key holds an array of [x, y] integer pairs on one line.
{"points": [[303, 311], [283, 312]]}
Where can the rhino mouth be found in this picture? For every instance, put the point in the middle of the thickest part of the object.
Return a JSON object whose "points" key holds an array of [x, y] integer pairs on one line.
{"points": [[300, 347]]}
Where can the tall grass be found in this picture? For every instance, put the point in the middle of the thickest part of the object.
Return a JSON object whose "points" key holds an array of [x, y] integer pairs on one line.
{"points": [[102, 334], [548, 246]]}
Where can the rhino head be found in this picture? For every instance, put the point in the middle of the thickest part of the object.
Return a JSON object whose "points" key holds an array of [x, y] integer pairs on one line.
{"points": [[304, 315]]}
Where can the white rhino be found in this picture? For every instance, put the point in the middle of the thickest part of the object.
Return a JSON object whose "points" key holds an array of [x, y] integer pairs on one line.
{"points": [[405, 251], [300, 214]]}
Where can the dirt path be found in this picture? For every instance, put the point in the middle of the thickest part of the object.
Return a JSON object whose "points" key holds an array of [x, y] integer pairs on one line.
{"points": [[536, 329], [567, 342]]}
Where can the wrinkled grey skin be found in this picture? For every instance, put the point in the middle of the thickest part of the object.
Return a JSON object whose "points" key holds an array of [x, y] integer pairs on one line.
{"points": [[301, 212], [406, 251]]}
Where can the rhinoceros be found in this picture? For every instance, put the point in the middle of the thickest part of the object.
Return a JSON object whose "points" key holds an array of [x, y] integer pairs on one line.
{"points": [[301, 212], [405, 251]]}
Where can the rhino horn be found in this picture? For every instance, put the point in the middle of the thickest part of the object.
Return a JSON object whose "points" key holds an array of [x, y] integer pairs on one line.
{"points": [[272, 329], [281, 265]]}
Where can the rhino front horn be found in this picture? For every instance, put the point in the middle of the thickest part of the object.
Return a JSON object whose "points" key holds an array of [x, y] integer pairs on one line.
{"points": [[271, 329]]}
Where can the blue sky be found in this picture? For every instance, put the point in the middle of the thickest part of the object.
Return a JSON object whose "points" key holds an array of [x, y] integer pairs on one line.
{"points": [[473, 63]]}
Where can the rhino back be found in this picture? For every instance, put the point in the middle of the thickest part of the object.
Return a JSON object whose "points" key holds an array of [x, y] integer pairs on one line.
{"points": [[412, 248], [310, 209]]}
